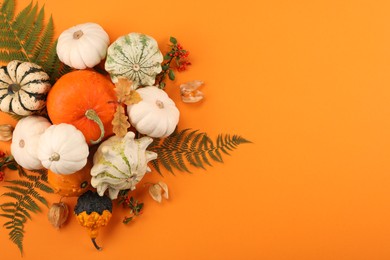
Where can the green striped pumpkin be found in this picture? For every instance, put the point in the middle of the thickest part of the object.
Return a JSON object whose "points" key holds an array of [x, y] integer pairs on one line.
{"points": [[23, 88], [136, 57]]}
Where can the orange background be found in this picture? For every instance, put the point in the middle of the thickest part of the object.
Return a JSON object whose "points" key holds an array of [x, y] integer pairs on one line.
{"points": [[308, 83]]}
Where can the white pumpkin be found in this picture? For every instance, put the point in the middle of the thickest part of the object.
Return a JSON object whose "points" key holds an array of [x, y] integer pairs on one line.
{"points": [[83, 46], [25, 141], [63, 149], [156, 115], [134, 56], [23, 88], [120, 163]]}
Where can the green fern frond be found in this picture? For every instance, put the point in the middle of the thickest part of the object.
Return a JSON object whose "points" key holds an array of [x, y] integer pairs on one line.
{"points": [[192, 148], [24, 195], [27, 37]]}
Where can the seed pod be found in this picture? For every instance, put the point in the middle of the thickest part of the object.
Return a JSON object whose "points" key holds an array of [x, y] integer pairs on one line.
{"points": [[58, 214], [190, 93], [6, 132]]}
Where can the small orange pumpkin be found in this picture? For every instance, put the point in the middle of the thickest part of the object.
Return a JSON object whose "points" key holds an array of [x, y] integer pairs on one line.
{"points": [[71, 185], [85, 99]]}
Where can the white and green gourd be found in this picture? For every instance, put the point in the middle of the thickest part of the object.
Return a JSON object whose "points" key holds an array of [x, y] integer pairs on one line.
{"points": [[23, 88], [120, 163], [136, 57]]}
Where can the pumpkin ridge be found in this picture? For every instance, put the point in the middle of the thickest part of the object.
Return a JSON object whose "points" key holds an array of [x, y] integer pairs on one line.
{"points": [[107, 174], [23, 105], [6, 74], [107, 163], [15, 80], [10, 103], [3, 96], [142, 51], [145, 73], [2, 81], [125, 56], [124, 158], [147, 58], [37, 96], [36, 81], [29, 71]]}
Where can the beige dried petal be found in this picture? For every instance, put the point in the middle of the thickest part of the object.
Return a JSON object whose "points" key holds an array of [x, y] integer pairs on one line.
{"points": [[6, 132], [58, 214], [164, 187], [191, 85], [155, 191], [189, 91]]}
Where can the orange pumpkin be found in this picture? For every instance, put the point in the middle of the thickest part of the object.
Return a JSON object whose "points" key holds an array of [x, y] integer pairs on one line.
{"points": [[85, 99], [71, 185]]}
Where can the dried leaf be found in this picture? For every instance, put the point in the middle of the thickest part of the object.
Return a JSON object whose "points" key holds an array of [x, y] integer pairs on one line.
{"points": [[120, 123], [125, 93], [122, 89], [132, 98]]}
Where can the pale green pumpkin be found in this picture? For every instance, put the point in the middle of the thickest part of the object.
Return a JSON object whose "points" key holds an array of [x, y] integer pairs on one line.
{"points": [[120, 163], [136, 57]]}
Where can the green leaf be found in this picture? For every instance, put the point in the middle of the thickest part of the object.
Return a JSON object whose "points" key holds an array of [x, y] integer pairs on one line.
{"points": [[165, 66], [167, 56], [171, 75], [190, 147], [173, 40], [127, 220], [24, 196], [27, 37], [12, 167]]}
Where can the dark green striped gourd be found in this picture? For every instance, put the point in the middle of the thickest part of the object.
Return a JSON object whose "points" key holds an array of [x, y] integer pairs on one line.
{"points": [[23, 88]]}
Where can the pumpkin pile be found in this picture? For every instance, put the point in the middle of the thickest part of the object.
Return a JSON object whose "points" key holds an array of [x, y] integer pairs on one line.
{"points": [[68, 128]]}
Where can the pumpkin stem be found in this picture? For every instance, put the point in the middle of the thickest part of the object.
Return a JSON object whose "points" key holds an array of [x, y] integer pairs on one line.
{"points": [[91, 115], [13, 88], [77, 35], [95, 244], [54, 157], [160, 104]]}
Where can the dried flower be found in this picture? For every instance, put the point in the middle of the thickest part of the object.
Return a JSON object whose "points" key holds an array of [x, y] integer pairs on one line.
{"points": [[6, 132], [190, 93], [58, 214], [159, 190]]}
